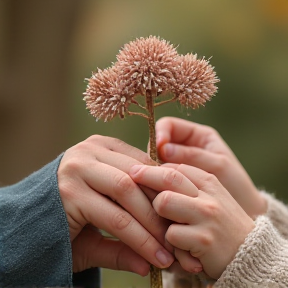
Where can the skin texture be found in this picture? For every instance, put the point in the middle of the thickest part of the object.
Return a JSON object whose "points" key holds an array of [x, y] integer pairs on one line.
{"points": [[181, 141], [97, 193], [208, 224]]}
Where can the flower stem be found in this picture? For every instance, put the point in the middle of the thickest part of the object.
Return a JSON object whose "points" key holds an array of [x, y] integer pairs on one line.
{"points": [[155, 272], [151, 121], [155, 277]]}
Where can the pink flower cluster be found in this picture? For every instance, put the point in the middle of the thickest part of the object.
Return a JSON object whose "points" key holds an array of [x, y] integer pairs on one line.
{"points": [[149, 65]]}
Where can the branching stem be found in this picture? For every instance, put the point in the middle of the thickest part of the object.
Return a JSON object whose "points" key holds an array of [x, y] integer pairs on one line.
{"points": [[138, 114], [166, 101]]}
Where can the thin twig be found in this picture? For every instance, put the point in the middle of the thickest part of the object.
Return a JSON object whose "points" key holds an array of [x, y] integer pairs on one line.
{"points": [[166, 101], [138, 114]]}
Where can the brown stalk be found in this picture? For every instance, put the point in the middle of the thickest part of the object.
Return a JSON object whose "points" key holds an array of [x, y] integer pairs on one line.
{"points": [[155, 272], [151, 121]]}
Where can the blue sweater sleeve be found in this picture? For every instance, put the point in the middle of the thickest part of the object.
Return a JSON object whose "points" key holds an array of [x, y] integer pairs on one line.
{"points": [[35, 248]]}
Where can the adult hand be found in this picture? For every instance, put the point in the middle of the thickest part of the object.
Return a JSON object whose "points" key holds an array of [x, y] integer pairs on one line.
{"points": [[181, 141], [208, 223], [97, 193]]}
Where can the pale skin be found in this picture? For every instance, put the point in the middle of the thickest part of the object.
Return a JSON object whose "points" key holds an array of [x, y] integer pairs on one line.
{"points": [[97, 193], [210, 222], [182, 141]]}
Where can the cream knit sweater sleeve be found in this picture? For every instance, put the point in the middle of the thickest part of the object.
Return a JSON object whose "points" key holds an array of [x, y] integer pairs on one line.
{"points": [[261, 261], [277, 212]]}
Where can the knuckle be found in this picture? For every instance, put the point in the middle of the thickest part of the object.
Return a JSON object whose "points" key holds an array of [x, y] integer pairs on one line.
{"points": [[210, 178], [164, 199], [70, 167], [210, 130], [190, 153], [123, 185], [145, 241], [210, 210], [172, 235], [197, 253], [117, 142], [205, 239], [121, 220], [223, 162], [172, 177], [95, 138]]}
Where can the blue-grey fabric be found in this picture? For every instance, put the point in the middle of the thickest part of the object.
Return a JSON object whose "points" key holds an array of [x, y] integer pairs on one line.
{"points": [[35, 248]]}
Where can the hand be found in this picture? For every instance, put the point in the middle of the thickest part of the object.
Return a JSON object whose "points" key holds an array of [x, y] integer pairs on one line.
{"points": [[209, 224], [95, 189], [181, 141]]}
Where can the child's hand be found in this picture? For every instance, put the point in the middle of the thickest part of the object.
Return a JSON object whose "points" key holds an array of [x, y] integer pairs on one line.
{"points": [[181, 141], [209, 223]]}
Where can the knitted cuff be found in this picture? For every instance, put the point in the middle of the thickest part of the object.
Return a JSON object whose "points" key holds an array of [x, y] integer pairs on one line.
{"points": [[278, 213], [261, 261]]}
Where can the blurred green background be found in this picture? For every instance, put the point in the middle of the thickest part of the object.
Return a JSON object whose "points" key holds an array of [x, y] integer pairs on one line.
{"points": [[48, 48]]}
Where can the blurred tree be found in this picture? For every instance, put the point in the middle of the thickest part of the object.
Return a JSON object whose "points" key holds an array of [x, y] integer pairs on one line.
{"points": [[34, 65]]}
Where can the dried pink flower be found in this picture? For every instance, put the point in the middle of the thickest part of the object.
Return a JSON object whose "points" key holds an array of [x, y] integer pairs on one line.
{"points": [[149, 67], [106, 96], [196, 81], [148, 64]]}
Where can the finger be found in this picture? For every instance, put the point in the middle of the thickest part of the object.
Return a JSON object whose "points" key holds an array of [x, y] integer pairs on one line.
{"points": [[194, 156], [187, 261], [203, 180], [120, 187], [188, 238], [176, 207], [163, 178], [120, 147], [106, 253], [119, 160], [175, 130], [101, 212]]}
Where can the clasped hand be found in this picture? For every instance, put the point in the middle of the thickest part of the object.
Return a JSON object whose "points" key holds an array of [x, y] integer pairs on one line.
{"points": [[182, 211]]}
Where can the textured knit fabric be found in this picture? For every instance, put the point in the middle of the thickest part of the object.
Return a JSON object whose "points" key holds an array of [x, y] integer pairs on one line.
{"points": [[261, 261], [35, 247], [277, 213]]}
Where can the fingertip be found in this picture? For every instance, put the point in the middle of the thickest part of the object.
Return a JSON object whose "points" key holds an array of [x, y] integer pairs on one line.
{"points": [[165, 259], [168, 150], [161, 138], [141, 269]]}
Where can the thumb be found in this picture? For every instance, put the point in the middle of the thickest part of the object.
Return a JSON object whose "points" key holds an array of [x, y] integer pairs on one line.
{"points": [[91, 249]]}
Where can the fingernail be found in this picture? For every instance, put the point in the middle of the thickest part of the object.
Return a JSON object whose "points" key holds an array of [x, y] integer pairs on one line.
{"points": [[169, 150], [164, 257], [134, 169]]}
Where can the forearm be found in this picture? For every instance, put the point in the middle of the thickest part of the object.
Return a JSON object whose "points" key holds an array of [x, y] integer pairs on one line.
{"points": [[34, 237]]}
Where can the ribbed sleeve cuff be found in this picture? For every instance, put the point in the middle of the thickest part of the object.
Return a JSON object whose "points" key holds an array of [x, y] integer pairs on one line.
{"points": [[261, 261]]}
